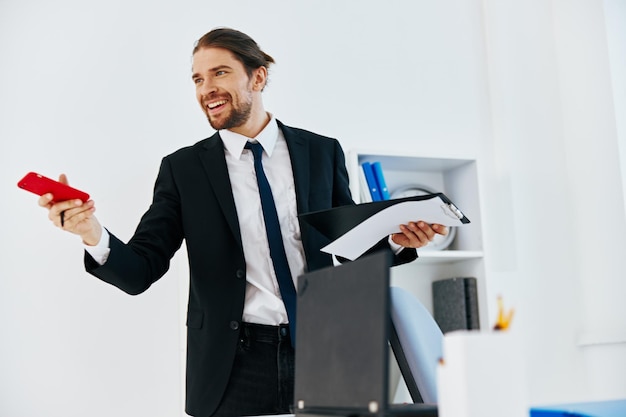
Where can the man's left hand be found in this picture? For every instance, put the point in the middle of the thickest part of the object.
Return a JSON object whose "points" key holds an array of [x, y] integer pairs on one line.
{"points": [[418, 234]]}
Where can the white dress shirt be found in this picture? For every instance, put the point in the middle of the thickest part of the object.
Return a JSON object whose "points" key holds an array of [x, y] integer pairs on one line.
{"points": [[263, 303]]}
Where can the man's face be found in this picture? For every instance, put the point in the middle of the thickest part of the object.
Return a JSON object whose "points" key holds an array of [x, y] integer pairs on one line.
{"points": [[223, 88]]}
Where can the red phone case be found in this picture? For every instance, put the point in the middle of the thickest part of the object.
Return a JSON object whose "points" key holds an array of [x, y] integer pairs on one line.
{"points": [[38, 184]]}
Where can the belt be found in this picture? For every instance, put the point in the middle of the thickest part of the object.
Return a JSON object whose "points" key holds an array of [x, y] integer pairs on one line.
{"points": [[264, 332]]}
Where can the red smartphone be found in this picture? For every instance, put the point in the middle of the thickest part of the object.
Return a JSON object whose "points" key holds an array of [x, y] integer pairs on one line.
{"points": [[40, 185]]}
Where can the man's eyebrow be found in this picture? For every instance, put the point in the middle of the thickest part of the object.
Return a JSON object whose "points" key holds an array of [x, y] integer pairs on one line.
{"points": [[219, 67]]}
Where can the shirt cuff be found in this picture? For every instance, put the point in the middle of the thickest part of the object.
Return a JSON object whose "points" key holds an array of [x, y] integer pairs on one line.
{"points": [[396, 249], [100, 252]]}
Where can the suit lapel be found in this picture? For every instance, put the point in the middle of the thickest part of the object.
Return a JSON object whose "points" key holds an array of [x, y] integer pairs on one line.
{"points": [[214, 163], [300, 164]]}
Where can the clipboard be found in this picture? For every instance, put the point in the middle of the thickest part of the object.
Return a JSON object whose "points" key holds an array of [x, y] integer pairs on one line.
{"points": [[356, 228]]}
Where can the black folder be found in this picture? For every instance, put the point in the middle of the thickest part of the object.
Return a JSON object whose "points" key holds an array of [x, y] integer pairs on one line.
{"points": [[334, 223]]}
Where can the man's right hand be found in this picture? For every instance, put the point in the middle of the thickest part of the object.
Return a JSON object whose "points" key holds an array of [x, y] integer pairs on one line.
{"points": [[73, 216]]}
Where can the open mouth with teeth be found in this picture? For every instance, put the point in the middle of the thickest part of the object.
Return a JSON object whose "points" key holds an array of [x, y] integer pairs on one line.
{"points": [[215, 105]]}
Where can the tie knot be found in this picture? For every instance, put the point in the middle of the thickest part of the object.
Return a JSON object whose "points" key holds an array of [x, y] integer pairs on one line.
{"points": [[256, 148]]}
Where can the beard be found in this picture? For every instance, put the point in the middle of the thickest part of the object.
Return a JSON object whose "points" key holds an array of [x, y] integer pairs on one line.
{"points": [[237, 116]]}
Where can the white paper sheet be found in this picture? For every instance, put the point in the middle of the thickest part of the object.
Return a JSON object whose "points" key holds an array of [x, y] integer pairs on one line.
{"points": [[365, 235]]}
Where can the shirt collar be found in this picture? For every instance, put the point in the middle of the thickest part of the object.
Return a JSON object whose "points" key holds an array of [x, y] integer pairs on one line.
{"points": [[234, 142]]}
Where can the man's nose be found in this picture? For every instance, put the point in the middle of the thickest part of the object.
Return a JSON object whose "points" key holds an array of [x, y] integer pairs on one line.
{"points": [[208, 87]]}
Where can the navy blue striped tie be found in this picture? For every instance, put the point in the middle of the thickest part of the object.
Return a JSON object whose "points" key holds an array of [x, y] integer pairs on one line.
{"points": [[275, 240]]}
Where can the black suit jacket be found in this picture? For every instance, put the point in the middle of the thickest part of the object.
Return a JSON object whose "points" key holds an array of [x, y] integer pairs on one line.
{"points": [[193, 201]]}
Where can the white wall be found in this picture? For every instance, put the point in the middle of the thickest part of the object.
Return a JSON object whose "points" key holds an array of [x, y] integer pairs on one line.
{"points": [[556, 149], [615, 16], [101, 92]]}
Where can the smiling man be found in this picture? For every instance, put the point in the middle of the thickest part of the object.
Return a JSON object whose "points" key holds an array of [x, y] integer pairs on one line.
{"points": [[234, 198], [225, 90]]}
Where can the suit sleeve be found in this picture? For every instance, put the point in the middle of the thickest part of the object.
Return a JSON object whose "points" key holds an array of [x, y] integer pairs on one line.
{"points": [[135, 266]]}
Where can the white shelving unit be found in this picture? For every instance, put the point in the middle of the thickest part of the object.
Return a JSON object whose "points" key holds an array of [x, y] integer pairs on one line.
{"points": [[457, 179]]}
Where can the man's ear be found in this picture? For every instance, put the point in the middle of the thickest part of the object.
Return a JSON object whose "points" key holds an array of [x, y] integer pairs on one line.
{"points": [[259, 78]]}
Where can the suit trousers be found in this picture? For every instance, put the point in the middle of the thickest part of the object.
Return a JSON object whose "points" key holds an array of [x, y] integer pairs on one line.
{"points": [[262, 379]]}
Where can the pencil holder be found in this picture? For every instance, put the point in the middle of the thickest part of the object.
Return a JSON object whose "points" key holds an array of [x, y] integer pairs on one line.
{"points": [[482, 375]]}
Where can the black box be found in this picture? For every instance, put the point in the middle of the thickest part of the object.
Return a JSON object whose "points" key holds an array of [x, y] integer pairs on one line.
{"points": [[455, 304]]}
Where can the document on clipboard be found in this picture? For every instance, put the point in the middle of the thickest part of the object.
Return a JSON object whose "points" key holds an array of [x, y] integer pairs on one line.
{"points": [[355, 229]]}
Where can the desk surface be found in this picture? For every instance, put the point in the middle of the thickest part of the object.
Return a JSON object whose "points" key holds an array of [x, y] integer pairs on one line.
{"points": [[612, 408]]}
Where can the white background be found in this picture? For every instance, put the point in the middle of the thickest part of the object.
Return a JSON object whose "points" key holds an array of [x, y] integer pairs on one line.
{"points": [[534, 90]]}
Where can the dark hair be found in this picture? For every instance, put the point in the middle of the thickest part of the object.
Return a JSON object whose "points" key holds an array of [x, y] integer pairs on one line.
{"points": [[242, 46]]}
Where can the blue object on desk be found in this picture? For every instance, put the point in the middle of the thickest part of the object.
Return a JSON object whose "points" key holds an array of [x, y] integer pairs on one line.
{"points": [[554, 413], [613, 408]]}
